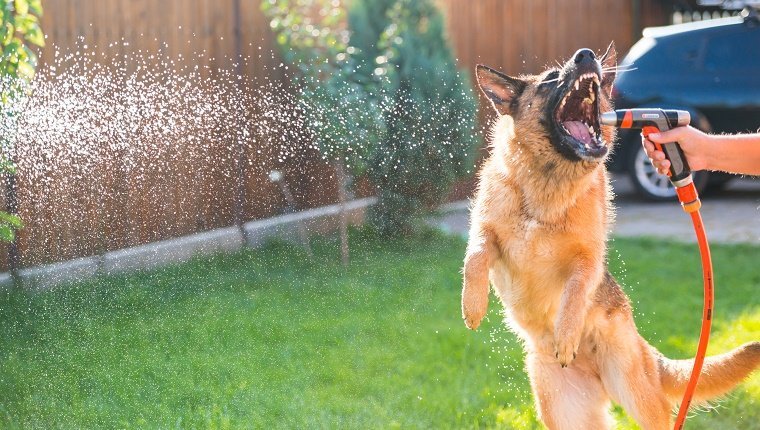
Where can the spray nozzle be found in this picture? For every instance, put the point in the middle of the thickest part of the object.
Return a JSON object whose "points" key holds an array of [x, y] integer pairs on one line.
{"points": [[653, 120]]}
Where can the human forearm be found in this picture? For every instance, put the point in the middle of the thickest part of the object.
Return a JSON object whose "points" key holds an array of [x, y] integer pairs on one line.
{"points": [[734, 153], [728, 153]]}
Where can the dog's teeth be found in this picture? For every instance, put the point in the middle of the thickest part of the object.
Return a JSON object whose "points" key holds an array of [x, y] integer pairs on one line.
{"points": [[577, 85], [592, 96]]}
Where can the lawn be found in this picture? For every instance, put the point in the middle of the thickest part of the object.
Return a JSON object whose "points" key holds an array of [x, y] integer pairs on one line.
{"points": [[270, 339]]}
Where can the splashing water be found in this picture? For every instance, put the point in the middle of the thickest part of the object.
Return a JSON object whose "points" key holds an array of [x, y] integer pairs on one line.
{"points": [[161, 144], [113, 156]]}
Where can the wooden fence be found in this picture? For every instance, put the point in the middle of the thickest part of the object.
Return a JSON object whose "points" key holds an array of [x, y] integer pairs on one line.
{"points": [[525, 36], [114, 210], [105, 208]]}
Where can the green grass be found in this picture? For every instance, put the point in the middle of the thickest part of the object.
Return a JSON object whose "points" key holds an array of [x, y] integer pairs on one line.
{"points": [[267, 339]]}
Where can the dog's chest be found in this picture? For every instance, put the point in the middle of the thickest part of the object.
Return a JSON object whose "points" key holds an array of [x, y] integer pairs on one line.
{"points": [[532, 243], [531, 272], [532, 257]]}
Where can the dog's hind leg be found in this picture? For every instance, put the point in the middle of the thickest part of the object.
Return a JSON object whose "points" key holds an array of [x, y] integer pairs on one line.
{"points": [[631, 378], [568, 398]]}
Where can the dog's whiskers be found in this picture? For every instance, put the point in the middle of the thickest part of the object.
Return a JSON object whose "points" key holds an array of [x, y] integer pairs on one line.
{"points": [[616, 69]]}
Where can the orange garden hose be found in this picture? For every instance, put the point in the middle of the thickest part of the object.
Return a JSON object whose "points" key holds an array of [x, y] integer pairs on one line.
{"points": [[707, 313], [687, 195], [654, 120]]}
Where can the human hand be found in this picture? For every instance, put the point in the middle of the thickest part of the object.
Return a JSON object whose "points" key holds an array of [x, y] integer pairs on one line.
{"points": [[692, 141]]}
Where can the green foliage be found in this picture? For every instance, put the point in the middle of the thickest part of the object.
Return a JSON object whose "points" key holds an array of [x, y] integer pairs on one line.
{"points": [[430, 137], [19, 31], [8, 226], [342, 119], [271, 339], [309, 33], [382, 96], [346, 122]]}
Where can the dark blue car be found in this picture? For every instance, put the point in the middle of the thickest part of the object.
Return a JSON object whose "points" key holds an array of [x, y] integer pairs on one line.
{"points": [[709, 68]]}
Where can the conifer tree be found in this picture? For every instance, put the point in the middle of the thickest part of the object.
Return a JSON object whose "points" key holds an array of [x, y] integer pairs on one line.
{"points": [[429, 137]]}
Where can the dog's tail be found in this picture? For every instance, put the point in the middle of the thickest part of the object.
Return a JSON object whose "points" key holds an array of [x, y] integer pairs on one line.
{"points": [[720, 373]]}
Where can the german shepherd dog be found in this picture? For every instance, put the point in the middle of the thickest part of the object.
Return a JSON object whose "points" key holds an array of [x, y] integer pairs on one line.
{"points": [[538, 233]]}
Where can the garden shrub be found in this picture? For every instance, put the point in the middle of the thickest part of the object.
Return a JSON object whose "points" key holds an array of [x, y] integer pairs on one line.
{"points": [[383, 97], [430, 118]]}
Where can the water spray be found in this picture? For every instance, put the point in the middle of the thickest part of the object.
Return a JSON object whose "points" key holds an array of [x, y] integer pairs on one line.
{"points": [[275, 176], [653, 120]]}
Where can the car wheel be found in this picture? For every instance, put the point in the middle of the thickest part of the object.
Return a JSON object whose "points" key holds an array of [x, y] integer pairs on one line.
{"points": [[652, 185]]}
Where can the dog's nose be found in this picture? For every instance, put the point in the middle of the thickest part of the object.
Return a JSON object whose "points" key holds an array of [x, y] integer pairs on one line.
{"points": [[584, 55]]}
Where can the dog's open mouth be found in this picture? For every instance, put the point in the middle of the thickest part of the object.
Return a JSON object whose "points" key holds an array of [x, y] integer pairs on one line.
{"points": [[577, 117]]}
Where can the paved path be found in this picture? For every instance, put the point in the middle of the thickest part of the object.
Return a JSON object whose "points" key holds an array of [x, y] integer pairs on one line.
{"points": [[732, 216]]}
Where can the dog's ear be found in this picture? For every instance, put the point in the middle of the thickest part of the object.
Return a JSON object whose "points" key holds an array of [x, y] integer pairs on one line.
{"points": [[501, 89], [609, 68]]}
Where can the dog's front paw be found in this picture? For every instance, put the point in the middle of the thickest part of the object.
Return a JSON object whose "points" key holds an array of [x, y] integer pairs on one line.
{"points": [[566, 348], [474, 306]]}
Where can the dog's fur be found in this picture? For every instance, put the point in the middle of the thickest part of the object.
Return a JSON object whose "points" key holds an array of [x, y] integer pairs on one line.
{"points": [[539, 227]]}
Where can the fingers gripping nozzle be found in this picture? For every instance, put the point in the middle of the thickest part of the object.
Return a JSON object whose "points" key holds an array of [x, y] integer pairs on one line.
{"points": [[654, 120]]}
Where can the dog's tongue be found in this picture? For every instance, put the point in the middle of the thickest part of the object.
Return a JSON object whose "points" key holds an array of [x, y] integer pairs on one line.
{"points": [[578, 130]]}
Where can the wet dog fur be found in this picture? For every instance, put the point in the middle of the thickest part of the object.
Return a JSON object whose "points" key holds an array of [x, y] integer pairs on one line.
{"points": [[539, 228]]}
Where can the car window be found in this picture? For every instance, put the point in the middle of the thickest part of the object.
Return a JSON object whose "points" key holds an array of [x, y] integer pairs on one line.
{"points": [[734, 51]]}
